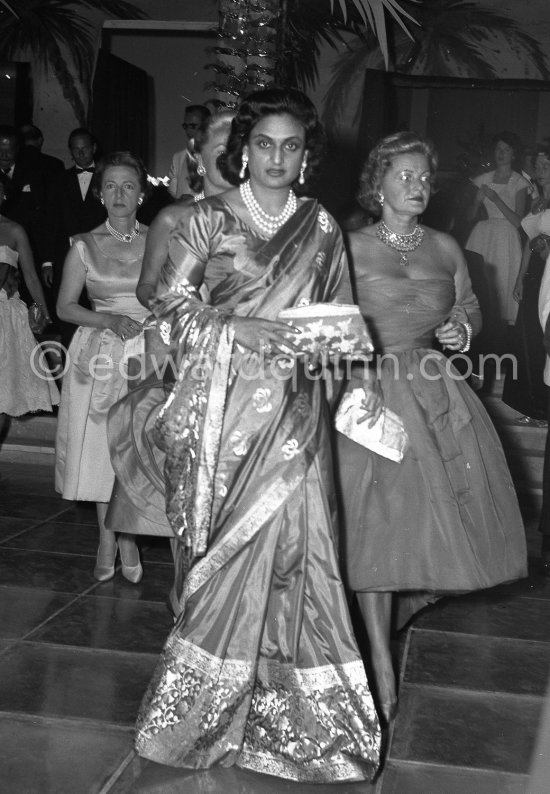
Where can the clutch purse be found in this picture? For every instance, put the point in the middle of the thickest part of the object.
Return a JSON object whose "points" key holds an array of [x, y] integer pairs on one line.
{"points": [[331, 329], [386, 437], [37, 319]]}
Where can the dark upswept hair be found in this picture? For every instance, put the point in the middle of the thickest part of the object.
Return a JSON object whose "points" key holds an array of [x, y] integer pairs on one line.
{"points": [[511, 139], [380, 159], [216, 121], [123, 159], [202, 110], [274, 102]]}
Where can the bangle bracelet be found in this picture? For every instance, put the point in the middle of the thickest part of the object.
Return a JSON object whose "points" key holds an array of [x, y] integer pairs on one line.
{"points": [[466, 346]]}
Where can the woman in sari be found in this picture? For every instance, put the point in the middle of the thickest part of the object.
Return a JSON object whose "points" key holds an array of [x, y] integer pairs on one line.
{"points": [[261, 669], [445, 520]]}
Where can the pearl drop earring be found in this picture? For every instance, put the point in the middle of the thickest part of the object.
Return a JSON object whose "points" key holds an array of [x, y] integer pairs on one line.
{"points": [[242, 172]]}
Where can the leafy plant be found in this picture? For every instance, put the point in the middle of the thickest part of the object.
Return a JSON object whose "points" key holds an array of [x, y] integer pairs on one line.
{"points": [[49, 30]]}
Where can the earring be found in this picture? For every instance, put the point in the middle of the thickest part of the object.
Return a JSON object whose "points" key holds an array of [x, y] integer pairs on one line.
{"points": [[242, 172], [102, 200], [140, 200], [381, 199], [201, 170], [301, 178]]}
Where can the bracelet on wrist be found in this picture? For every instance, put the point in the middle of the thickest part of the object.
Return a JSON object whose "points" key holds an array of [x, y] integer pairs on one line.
{"points": [[466, 346]]}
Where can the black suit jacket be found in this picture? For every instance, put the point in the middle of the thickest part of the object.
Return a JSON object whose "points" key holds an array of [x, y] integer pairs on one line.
{"points": [[68, 214], [27, 199]]}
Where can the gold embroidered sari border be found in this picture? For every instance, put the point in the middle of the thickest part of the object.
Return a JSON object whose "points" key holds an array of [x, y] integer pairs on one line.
{"points": [[199, 659], [335, 771], [275, 673], [210, 447]]}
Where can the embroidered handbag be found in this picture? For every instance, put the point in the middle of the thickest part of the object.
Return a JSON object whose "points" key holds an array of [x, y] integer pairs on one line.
{"points": [[38, 320], [332, 329]]}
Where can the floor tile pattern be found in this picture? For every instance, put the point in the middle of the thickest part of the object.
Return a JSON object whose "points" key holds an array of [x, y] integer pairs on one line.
{"points": [[76, 656]]}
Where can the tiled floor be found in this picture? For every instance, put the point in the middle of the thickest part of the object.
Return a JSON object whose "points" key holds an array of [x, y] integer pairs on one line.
{"points": [[75, 657]]}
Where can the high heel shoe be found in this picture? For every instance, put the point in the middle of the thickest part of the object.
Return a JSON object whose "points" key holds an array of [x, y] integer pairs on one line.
{"points": [[105, 572], [389, 710], [132, 573]]}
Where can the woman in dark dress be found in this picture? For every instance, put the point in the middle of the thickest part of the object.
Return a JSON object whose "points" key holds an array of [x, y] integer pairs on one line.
{"points": [[446, 519]]}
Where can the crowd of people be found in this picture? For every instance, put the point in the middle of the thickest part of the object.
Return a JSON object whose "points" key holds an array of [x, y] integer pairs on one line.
{"points": [[193, 409]]}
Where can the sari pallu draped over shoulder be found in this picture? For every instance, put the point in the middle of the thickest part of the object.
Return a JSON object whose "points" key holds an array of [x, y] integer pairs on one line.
{"points": [[261, 669]]}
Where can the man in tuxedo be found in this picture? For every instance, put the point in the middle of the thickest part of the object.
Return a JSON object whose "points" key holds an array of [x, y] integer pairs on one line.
{"points": [[194, 117], [32, 137], [72, 209], [28, 184]]}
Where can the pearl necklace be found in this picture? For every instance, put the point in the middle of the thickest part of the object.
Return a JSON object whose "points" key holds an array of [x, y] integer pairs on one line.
{"points": [[124, 238], [268, 224], [400, 242]]}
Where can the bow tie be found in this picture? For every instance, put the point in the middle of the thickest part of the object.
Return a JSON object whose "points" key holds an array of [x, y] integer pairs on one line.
{"points": [[89, 170]]}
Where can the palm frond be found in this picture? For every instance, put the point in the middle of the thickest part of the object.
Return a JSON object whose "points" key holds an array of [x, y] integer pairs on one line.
{"points": [[372, 15], [40, 31], [472, 24], [344, 73], [9, 8], [115, 8]]}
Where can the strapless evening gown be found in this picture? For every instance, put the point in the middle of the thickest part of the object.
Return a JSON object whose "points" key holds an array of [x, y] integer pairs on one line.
{"points": [[446, 519]]}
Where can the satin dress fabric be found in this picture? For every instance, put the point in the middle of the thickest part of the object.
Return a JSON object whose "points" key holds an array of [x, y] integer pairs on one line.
{"points": [[97, 374], [446, 519], [26, 385], [499, 244], [262, 669]]}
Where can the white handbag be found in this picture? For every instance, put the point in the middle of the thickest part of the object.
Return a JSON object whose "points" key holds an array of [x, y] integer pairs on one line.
{"points": [[386, 437]]}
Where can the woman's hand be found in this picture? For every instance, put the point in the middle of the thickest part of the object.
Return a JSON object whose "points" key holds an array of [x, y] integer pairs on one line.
{"points": [[124, 326], [264, 336], [372, 403], [517, 294], [452, 335]]}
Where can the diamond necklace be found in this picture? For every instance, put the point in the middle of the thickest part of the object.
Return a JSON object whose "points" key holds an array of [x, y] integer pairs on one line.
{"points": [[400, 242], [124, 238], [268, 224]]}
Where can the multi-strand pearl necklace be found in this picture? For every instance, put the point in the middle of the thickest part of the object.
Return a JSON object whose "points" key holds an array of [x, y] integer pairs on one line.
{"points": [[400, 242], [268, 224], [124, 238]]}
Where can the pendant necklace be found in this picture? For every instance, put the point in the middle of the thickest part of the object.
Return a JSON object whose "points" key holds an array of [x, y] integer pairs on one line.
{"points": [[124, 238], [268, 224], [404, 243]]}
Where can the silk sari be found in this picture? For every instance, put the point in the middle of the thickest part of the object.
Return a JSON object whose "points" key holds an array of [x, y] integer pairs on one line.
{"points": [[261, 669]]}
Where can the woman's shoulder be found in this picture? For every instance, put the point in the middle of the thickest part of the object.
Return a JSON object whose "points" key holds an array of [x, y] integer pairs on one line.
{"points": [[483, 179], [9, 227], [442, 239], [519, 181], [363, 237]]}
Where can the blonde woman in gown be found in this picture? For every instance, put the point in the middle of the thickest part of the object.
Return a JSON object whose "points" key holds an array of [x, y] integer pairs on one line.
{"points": [[504, 195], [446, 519], [25, 383], [107, 261], [138, 501]]}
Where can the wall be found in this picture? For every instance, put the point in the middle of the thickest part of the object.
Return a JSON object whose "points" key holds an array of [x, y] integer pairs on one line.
{"points": [[175, 62]]}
